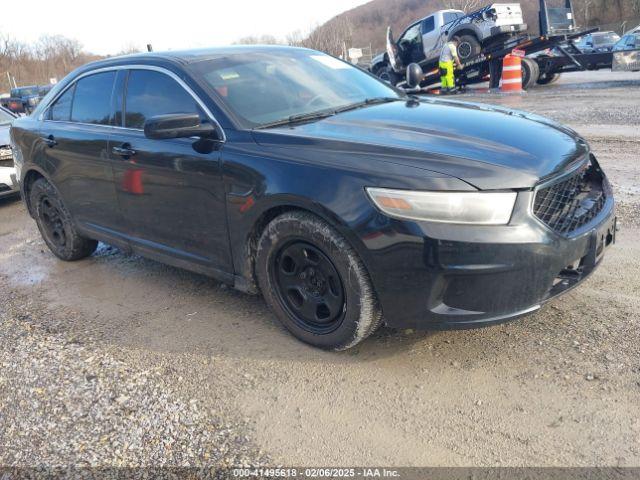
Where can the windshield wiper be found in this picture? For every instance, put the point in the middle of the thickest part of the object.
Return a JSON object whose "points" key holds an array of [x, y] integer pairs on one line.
{"points": [[368, 102], [303, 117], [319, 115]]}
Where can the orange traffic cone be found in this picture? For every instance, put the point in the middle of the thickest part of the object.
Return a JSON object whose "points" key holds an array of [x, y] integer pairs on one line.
{"points": [[511, 74]]}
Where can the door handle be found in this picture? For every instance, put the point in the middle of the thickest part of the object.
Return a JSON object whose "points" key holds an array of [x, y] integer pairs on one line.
{"points": [[50, 141], [124, 151]]}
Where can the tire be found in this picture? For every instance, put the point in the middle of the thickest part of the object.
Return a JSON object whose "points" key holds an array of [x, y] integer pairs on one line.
{"points": [[530, 73], [387, 74], [468, 47], [548, 79], [315, 282], [56, 225]]}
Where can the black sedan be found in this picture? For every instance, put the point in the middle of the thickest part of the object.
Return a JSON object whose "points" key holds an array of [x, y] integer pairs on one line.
{"points": [[345, 202]]}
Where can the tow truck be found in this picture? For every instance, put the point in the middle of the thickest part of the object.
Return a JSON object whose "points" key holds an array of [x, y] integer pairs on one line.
{"points": [[545, 57]]}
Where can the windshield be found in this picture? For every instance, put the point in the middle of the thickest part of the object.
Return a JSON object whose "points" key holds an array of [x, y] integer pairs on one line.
{"points": [[24, 92], [5, 118], [605, 39], [266, 87]]}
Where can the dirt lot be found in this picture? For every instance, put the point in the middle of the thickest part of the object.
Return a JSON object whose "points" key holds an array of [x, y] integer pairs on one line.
{"points": [[118, 360]]}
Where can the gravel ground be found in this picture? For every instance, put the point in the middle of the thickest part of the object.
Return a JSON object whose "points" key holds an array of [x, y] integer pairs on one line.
{"points": [[121, 361], [67, 401]]}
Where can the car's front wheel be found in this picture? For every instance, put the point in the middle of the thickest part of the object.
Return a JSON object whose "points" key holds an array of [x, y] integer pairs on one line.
{"points": [[55, 224], [315, 282], [387, 74], [468, 47]]}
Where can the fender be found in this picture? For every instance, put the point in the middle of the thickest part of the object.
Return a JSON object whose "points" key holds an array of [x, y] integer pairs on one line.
{"points": [[24, 173], [468, 27], [253, 222]]}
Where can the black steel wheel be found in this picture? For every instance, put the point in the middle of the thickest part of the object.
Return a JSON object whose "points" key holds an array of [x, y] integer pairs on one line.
{"points": [[51, 219], [309, 287], [56, 225], [315, 282]]}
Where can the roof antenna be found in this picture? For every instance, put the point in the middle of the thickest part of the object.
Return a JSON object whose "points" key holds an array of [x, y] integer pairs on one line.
{"points": [[149, 47]]}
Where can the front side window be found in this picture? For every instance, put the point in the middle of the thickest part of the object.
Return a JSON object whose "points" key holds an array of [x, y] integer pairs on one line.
{"points": [[151, 93], [60, 111], [264, 87], [412, 35], [92, 99]]}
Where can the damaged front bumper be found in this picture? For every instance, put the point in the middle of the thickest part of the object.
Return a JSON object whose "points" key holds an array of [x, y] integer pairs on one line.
{"points": [[453, 276]]}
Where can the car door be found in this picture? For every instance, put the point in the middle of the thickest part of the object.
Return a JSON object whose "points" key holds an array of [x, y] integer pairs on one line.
{"points": [[172, 195], [432, 39], [410, 45], [74, 138]]}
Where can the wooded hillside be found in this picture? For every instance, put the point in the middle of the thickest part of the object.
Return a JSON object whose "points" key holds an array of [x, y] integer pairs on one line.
{"points": [[367, 23]]}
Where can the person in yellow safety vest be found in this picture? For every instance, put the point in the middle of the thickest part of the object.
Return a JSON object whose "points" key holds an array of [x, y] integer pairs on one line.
{"points": [[448, 55]]}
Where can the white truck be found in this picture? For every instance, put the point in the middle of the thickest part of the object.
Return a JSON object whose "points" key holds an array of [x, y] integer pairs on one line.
{"points": [[422, 41]]}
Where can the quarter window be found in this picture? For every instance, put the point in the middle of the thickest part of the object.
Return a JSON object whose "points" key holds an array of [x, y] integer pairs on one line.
{"points": [[61, 109], [92, 99], [152, 93]]}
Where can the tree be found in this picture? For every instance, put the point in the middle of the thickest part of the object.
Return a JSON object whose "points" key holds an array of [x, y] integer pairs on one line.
{"points": [[464, 5], [261, 40]]}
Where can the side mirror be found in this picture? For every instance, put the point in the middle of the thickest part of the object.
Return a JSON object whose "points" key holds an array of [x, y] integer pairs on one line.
{"points": [[179, 125], [414, 75]]}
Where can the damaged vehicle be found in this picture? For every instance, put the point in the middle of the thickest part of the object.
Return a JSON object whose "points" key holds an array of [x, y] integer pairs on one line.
{"points": [[422, 41], [287, 172], [597, 42], [8, 179]]}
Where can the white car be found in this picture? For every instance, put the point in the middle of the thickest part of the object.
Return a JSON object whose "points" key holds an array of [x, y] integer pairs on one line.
{"points": [[8, 180]]}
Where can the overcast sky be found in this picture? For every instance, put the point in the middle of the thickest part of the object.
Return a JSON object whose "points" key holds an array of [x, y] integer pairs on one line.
{"points": [[109, 26]]}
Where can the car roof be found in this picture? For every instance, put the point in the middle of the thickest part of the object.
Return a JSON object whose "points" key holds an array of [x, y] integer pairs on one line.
{"points": [[196, 55]]}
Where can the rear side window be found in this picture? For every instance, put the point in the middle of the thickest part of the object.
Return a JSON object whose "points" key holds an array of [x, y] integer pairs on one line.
{"points": [[428, 24], [61, 109], [152, 93], [450, 17], [92, 100]]}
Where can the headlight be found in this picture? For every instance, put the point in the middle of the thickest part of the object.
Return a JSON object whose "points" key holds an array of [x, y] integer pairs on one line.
{"points": [[467, 208]]}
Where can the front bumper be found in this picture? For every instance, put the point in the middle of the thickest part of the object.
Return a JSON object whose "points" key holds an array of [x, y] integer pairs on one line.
{"points": [[456, 277]]}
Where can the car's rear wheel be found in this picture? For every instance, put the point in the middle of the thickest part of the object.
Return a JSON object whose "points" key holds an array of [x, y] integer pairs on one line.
{"points": [[55, 224], [315, 282]]}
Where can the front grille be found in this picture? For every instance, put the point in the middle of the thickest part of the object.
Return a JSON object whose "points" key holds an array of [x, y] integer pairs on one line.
{"points": [[572, 203], [6, 156]]}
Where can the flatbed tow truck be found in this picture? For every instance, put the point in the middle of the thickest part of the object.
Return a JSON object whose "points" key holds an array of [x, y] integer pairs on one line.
{"points": [[545, 57]]}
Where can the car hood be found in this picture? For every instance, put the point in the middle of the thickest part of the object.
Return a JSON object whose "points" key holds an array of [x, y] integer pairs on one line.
{"points": [[486, 146]]}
